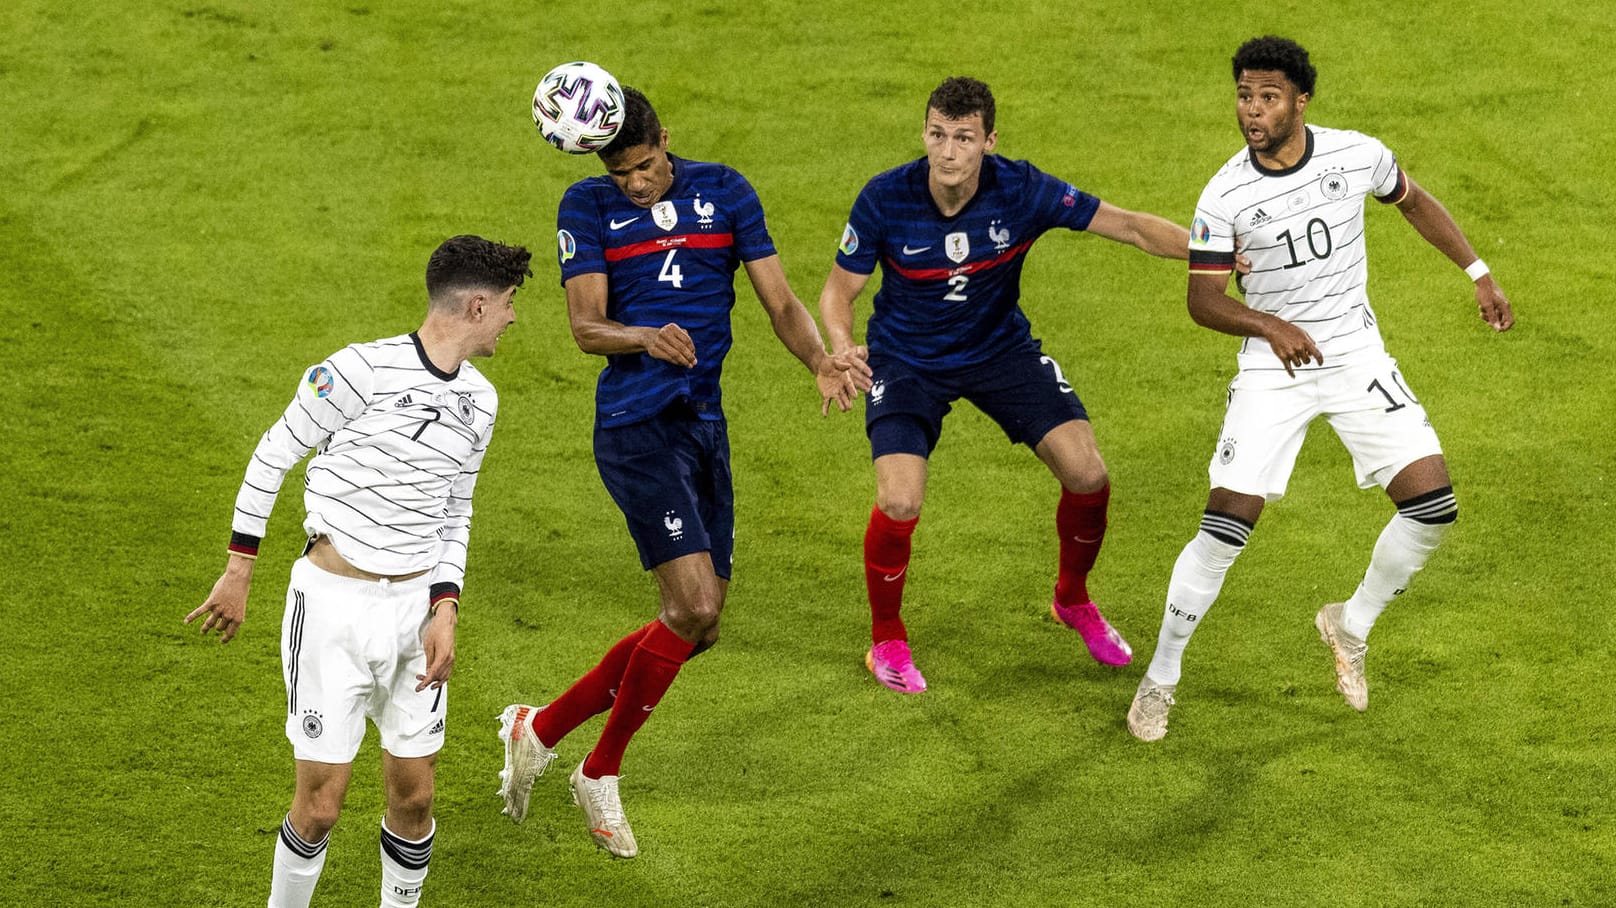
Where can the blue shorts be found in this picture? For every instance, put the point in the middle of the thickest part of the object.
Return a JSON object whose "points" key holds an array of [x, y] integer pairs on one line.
{"points": [[670, 477], [1025, 393]]}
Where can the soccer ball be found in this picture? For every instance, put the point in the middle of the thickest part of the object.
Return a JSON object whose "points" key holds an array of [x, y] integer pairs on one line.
{"points": [[578, 107]]}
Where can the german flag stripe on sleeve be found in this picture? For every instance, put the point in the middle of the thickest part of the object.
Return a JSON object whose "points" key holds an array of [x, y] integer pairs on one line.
{"points": [[1202, 262]]}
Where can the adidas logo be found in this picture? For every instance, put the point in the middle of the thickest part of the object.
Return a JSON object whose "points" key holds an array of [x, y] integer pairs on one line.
{"points": [[437, 728], [1260, 218], [404, 401]]}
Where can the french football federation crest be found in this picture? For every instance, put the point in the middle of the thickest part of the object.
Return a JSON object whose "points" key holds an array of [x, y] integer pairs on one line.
{"points": [[877, 391], [704, 211], [957, 246], [664, 215], [1000, 236], [675, 526]]}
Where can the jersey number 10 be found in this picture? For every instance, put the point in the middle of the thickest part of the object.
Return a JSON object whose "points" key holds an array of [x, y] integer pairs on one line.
{"points": [[1317, 232]]}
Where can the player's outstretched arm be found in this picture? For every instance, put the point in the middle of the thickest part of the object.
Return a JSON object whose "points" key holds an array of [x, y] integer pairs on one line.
{"points": [[1439, 229], [834, 374], [1155, 235], [226, 606], [595, 333], [1211, 307], [836, 310]]}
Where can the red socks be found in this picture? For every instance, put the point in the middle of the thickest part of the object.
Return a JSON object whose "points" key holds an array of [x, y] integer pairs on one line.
{"points": [[1080, 520], [886, 566], [590, 696], [651, 669]]}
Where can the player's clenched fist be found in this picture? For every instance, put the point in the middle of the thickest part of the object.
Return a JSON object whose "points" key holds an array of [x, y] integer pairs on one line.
{"points": [[1494, 305], [672, 344]]}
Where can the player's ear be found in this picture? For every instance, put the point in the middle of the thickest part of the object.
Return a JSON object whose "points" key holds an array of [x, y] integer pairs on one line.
{"points": [[992, 140], [664, 138]]}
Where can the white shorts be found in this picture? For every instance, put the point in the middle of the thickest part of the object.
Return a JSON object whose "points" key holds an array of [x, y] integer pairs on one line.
{"points": [[350, 649], [1367, 403]]}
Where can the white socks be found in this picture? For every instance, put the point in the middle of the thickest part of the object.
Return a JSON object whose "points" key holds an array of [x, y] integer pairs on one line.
{"points": [[1197, 577], [404, 867], [1400, 552], [1408, 540], [297, 868]]}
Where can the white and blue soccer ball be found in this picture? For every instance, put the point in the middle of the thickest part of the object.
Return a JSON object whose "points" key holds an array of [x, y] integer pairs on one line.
{"points": [[578, 107]]}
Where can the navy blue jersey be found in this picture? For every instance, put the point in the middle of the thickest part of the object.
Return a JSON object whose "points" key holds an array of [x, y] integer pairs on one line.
{"points": [[951, 286], [674, 262]]}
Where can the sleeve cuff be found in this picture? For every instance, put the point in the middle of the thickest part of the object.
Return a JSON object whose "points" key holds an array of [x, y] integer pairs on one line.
{"points": [[243, 544], [442, 591]]}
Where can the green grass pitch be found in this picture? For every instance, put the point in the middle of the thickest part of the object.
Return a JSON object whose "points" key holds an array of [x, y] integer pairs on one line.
{"points": [[199, 198]]}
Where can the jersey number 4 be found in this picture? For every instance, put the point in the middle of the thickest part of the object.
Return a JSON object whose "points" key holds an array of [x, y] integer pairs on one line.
{"points": [[670, 272]]}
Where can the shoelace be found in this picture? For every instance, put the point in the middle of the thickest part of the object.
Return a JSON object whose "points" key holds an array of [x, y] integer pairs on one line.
{"points": [[1355, 652], [898, 665], [1352, 647], [607, 803], [1154, 703]]}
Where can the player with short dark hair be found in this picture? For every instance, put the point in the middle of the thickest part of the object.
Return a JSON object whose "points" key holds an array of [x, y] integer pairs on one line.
{"points": [[648, 258], [950, 232], [1293, 200], [400, 426]]}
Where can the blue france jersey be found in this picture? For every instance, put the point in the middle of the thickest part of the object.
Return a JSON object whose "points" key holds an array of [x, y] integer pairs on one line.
{"points": [[951, 286], [674, 262]]}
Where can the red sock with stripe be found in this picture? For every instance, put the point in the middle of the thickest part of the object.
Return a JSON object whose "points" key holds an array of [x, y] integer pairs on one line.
{"points": [[1080, 520], [886, 567], [651, 669], [590, 695]]}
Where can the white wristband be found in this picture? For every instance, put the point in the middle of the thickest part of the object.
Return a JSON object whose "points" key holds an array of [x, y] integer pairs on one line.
{"points": [[1478, 269]]}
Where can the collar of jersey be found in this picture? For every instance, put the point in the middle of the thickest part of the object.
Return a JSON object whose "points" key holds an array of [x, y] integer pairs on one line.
{"points": [[1306, 156], [427, 361], [985, 180]]}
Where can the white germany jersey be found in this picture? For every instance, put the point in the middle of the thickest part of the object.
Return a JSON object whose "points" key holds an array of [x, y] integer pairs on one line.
{"points": [[1303, 229], [400, 443]]}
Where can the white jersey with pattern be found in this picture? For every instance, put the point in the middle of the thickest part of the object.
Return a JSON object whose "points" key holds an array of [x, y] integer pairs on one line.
{"points": [[1303, 229], [399, 446]]}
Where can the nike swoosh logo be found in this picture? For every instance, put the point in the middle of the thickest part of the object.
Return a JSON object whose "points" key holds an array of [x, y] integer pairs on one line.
{"points": [[893, 577], [619, 225], [908, 251]]}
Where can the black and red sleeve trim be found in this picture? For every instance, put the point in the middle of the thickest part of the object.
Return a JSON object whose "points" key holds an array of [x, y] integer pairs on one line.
{"points": [[1202, 261], [442, 591], [243, 544], [1398, 193]]}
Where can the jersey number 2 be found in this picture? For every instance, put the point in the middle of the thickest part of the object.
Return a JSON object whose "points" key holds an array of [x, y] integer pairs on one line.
{"points": [[958, 282], [670, 272]]}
